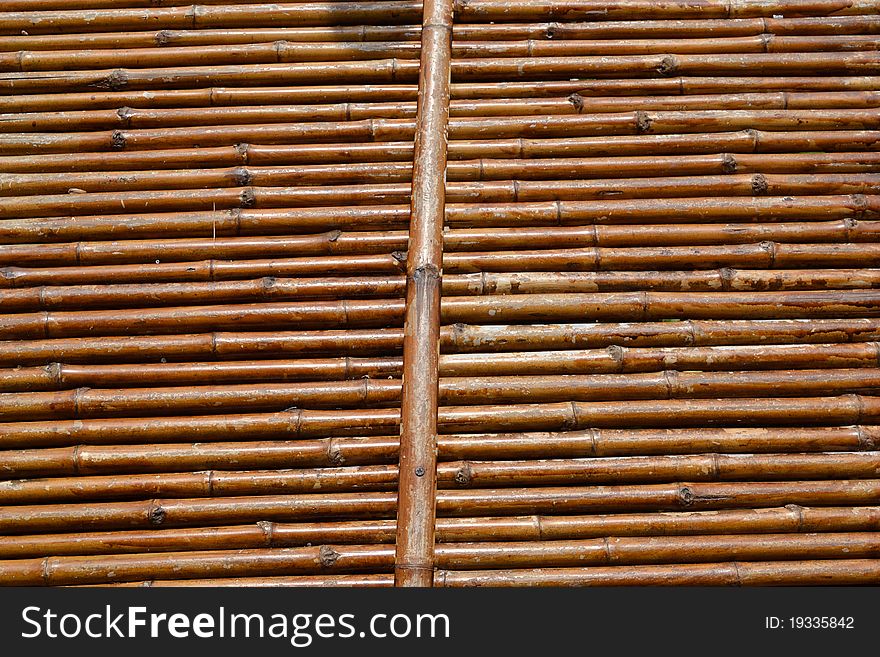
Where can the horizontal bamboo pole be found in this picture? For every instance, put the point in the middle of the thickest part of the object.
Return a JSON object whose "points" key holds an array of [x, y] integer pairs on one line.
{"points": [[283, 50], [738, 185], [533, 214], [309, 423], [211, 95], [204, 512], [860, 63], [17, 185], [491, 309], [457, 475], [362, 581], [766, 255], [213, 16], [57, 376], [661, 122], [55, 571], [691, 28], [458, 338], [317, 14], [293, 289], [367, 393], [745, 141], [756, 573], [486, 10], [84, 402], [459, 241], [780, 573], [327, 452], [788, 519]]}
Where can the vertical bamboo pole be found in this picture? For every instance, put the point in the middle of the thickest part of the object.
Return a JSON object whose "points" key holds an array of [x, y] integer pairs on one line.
{"points": [[417, 488]]}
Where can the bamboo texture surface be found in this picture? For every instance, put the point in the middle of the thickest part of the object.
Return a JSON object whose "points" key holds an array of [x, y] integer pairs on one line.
{"points": [[443, 293]]}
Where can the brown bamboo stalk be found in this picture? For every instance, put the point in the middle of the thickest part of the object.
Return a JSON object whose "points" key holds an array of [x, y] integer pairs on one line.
{"points": [[457, 475], [292, 289], [220, 511], [458, 338], [367, 393], [212, 16], [549, 213], [790, 573], [615, 359], [470, 170], [327, 452], [788, 519], [417, 485], [311, 423], [552, 554]]}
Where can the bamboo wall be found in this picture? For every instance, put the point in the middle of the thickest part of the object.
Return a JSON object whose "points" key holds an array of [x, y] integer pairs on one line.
{"points": [[659, 314]]}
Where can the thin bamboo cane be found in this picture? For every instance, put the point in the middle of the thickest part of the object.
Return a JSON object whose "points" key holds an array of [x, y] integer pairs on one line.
{"points": [[492, 309], [417, 484], [282, 50], [366, 393], [458, 338], [612, 360], [459, 241], [790, 573], [457, 475], [311, 423], [553, 554], [121, 459], [534, 214], [293, 289], [471, 170], [202, 512]]}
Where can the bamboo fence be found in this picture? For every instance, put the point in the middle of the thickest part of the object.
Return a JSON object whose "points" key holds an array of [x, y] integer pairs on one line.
{"points": [[441, 293]]}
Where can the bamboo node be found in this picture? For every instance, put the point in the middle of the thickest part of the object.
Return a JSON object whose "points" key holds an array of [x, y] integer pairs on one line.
{"points": [[618, 355], [156, 514], [770, 248], [241, 176], [799, 512], [327, 556], [334, 454], [668, 65], [248, 198], [866, 440], [643, 122], [577, 101], [268, 529], [686, 495], [728, 163], [54, 371], [399, 258], [243, 152], [760, 185], [117, 80], [163, 37], [426, 273], [464, 475], [727, 276], [117, 140]]}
